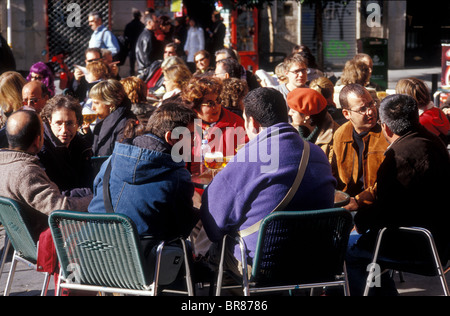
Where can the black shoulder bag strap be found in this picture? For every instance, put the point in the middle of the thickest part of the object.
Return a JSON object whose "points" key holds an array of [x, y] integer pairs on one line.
{"points": [[106, 194]]}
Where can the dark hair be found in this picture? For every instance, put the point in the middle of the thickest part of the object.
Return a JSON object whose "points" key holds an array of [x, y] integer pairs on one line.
{"points": [[24, 137], [63, 102], [232, 67], [267, 106], [168, 117], [355, 88], [400, 113]]}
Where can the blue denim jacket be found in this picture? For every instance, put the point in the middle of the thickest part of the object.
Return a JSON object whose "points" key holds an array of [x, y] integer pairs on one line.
{"points": [[151, 189]]}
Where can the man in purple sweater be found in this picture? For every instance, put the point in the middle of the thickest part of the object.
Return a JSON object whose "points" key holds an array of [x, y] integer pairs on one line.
{"points": [[261, 174]]}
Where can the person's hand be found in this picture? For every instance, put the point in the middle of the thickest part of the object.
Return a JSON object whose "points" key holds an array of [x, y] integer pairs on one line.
{"points": [[78, 74], [85, 128], [352, 206]]}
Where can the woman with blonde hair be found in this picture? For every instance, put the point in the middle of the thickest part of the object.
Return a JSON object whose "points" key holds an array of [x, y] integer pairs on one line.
{"points": [[431, 117], [175, 79], [113, 108], [11, 84]]}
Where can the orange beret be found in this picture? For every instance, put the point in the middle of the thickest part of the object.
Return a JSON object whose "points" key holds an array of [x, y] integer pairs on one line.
{"points": [[306, 101]]}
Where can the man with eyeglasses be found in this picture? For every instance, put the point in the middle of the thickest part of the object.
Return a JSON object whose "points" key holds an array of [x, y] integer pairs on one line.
{"points": [[296, 74], [35, 95], [79, 86], [359, 146]]}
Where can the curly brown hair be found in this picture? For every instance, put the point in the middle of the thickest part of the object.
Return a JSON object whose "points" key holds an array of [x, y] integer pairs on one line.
{"points": [[233, 92], [199, 87]]}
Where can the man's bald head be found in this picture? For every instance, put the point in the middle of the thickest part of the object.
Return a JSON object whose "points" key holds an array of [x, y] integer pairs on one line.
{"points": [[23, 129], [35, 94]]}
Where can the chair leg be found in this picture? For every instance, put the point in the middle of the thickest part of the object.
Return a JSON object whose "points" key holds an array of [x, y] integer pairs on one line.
{"points": [[12, 271], [5, 251], [45, 285]]}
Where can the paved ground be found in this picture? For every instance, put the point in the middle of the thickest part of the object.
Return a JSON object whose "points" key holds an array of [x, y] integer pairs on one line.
{"points": [[28, 282]]}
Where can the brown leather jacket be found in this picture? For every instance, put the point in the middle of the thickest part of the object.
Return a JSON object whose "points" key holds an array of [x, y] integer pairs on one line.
{"points": [[345, 162]]}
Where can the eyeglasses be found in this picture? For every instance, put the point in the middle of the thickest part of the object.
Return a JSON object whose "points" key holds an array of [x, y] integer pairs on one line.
{"points": [[92, 60], [38, 78], [365, 109], [210, 103], [200, 60], [299, 71], [69, 124], [32, 101]]}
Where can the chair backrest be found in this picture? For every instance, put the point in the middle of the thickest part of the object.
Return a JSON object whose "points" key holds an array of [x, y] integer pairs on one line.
{"points": [[17, 230], [302, 247], [98, 249], [409, 249]]}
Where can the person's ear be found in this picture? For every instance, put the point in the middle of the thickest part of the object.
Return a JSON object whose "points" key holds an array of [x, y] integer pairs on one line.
{"points": [[168, 138]]}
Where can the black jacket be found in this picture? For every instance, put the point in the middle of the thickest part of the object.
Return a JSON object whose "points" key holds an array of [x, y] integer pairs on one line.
{"points": [[413, 189], [148, 50], [110, 130], [70, 168]]}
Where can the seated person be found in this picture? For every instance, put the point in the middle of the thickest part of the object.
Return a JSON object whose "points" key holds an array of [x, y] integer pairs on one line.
{"points": [[65, 155], [113, 108], [35, 95], [79, 86], [433, 118], [250, 187], [359, 146], [311, 118], [23, 178], [223, 129], [42, 73], [409, 186], [146, 184]]}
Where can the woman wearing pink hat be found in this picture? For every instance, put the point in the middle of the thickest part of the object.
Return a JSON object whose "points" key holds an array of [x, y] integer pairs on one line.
{"points": [[308, 110]]}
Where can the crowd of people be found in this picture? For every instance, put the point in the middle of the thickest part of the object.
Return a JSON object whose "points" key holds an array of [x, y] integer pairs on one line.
{"points": [[389, 156]]}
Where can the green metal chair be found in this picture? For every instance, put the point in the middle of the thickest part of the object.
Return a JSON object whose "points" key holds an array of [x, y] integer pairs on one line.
{"points": [[25, 248], [296, 250], [102, 253]]}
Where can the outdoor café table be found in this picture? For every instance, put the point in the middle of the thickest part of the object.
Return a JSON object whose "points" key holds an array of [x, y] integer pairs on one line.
{"points": [[201, 181]]}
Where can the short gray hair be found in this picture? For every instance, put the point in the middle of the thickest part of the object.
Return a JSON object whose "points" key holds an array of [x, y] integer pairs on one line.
{"points": [[400, 113]]}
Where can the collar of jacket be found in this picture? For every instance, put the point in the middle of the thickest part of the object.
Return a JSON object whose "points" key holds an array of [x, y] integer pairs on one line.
{"points": [[347, 135]]}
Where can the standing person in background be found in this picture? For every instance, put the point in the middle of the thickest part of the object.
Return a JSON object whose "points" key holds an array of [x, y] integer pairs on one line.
{"points": [[195, 41], [147, 47], [132, 32], [216, 35], [102, 37]]}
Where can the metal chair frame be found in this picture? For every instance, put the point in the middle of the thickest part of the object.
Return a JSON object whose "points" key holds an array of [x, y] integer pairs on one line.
{"points": [[149, 288], [14, 231], [250, 287], [435, 257]]}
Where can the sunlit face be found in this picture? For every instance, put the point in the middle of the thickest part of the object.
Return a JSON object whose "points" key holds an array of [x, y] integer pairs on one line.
{"points": [[202, 62], [64, 125], [297, 75], [297, 117], [94, 23], [362, 112], [210, 109], [32, 97], [169, 52], [101, 109]]}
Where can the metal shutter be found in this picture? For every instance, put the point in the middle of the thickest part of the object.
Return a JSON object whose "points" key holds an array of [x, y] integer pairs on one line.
{"points": [[339, 31], [74, 40]]}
